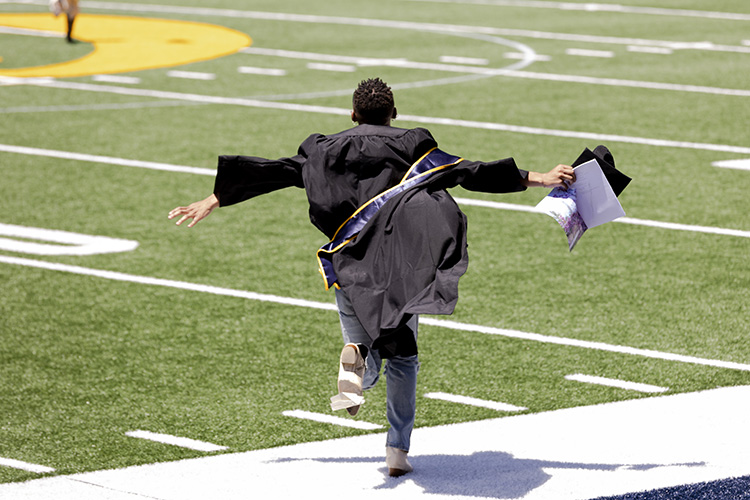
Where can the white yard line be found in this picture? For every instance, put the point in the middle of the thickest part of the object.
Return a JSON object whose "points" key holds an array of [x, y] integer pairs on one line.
{"points": [[191, 75], [597, 451], [181, 285], [620, 384], [469, 401], [59, 242], [477, 61], [618, 82], [512, 73], [8, 30], [586, 344], [407, 25], [590, 53], [316, 56], [740, 164], [182, 442], [129, 80], [341, 68], [454, 325], [601, 7], [251, 70], [622, 220], [650, 50], [57, 108], [307, 108], [66, 155], [20, 465], [330, 419]]}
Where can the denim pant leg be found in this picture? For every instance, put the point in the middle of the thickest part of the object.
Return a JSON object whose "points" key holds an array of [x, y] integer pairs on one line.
{"points": [[400, 372], [401, 385], [354, 333]]}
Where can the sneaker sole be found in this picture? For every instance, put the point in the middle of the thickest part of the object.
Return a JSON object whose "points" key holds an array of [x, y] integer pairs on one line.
{"points": [[349, 358], [397, 472]]}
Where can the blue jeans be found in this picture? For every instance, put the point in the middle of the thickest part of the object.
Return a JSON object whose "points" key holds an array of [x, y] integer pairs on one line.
{"points": [[400, 375]]}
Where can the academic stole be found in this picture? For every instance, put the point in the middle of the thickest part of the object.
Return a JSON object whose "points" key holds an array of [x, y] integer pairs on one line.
{"points": [[423, 169]]}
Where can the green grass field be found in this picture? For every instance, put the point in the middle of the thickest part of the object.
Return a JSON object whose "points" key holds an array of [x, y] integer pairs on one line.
{"points": [[85, 359]]}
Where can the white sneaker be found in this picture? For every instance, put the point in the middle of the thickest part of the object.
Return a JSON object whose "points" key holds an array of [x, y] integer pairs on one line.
{"points": [[397, 463], [351, 371]]}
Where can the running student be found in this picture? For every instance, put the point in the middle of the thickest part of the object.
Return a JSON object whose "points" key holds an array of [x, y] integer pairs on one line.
{"points": [[397, 239], [70, 8]]}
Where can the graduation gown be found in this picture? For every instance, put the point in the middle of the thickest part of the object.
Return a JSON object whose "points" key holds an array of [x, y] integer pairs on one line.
{"points": [[409, 256]]}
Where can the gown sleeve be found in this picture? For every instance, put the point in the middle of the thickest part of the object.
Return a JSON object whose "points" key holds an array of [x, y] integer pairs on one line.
{"points": [[239, 178], [500, 176]]}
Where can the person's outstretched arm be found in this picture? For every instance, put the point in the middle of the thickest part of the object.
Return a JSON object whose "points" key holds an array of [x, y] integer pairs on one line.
{"points": [[560, 176], [197, 211]]}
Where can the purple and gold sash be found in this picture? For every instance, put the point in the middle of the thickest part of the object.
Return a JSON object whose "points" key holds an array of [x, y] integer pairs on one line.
{"points": [[432, 162]]}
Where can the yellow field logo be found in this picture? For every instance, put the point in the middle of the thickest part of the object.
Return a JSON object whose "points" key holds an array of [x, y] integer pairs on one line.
{"points": [[123, 44]]}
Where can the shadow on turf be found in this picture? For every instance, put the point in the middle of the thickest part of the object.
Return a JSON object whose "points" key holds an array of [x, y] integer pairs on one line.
{"points": [[483, 474]]}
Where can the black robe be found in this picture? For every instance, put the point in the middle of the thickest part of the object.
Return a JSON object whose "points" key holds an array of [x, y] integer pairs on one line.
{"points": [[408, 258]]}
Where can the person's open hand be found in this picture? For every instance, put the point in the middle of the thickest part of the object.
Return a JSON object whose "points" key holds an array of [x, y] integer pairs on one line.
{"points": [[197, 211]]}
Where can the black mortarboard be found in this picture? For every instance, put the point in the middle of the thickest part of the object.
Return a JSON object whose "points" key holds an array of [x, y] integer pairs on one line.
{"points": [[606, 161]]}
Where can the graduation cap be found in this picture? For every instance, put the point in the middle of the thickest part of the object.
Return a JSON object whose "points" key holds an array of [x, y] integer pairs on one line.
{"points": [[606, 161]]}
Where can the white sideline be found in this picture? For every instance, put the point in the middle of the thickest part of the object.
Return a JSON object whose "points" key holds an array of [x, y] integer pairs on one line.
{"points": [[569, 454], [454, 325]]}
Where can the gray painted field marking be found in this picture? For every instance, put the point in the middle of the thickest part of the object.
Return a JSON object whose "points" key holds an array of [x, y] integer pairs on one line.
{"points": [[453, 325]]}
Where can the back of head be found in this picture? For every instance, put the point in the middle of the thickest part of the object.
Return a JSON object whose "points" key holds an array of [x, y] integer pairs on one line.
{"points": [[373, 102]]}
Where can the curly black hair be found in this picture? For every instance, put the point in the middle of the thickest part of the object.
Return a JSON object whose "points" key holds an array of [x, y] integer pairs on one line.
{"points": [[373, 101]]}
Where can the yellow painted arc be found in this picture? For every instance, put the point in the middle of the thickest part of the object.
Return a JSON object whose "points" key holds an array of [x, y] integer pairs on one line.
{"points": [[123, 44]]}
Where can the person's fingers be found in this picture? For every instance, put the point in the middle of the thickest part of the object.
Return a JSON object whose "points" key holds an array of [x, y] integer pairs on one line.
{"points": [[183, 219], [176, 211]]}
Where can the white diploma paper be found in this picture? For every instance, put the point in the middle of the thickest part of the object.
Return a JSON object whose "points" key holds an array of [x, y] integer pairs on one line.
{"points": [[587, 203]]}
